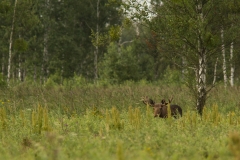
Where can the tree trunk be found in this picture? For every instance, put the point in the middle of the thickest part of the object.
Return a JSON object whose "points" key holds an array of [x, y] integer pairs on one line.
{"points": [[201, 68], [24, 72], [97, 49], [224, 59], [215, 72], [19, 68], [184, 64], [45, 70], [231, 66], [201, 86], [10, 44], [3, 65]]}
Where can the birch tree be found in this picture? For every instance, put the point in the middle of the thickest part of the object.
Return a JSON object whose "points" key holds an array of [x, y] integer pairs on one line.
{"points": [[233, 17], [229, 10], [192, 24], [224, 65], [11, 42], [45, 69], [5, 13], [232, 69]]}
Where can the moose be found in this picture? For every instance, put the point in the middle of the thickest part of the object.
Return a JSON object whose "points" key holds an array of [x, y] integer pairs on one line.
{"points": [[161, 109]]}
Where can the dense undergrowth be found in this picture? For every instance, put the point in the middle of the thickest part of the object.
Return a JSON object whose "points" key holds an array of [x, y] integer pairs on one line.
{"points": [[90, 122]]}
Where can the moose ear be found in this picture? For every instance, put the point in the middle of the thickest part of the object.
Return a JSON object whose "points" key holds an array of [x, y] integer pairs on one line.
{"points": [[163, 101], [151, 102]]}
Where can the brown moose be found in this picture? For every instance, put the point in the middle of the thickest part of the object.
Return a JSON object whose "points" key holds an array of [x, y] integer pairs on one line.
{"points": [[161, 109]]}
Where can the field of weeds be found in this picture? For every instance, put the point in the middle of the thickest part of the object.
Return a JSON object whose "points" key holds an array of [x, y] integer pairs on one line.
{"points": [[112, 123]]}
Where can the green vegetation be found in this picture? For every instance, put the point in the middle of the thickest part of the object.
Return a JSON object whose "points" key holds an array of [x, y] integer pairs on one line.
{"points": [[110, 122]]}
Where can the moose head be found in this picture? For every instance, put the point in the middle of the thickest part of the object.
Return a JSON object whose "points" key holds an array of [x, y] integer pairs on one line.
{"points": [[166, 103], [148, 101], [161, 109]]}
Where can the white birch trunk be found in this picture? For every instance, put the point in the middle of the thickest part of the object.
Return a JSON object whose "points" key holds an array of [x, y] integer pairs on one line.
{"points": [[215, 72], [232, 70], [224, 58], [137, 30], [201, 72], [10, 44], [201, 99], [184, 71], [19, 68], [23, 78]]}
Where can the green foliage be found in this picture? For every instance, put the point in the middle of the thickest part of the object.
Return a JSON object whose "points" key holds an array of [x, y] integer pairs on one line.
{"points": [[39, 120], [127, 23], [172, 76], [3, 83], [4, 7], [134, 117], [234, 144], [70, 41], [50, 84], [76, 81], [119, 66], [99, 39], [57, 78], [113, 120], [20, 45], [114, 33]]}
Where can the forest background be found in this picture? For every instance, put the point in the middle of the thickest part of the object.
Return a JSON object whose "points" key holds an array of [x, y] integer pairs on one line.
{"points": [[112, 41]]}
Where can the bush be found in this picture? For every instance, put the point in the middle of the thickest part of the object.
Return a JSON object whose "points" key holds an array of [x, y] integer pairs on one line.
{"points": [[172, 76], [50, 84]]}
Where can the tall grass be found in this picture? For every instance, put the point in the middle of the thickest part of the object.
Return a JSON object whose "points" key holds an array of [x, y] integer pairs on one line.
{"points": [[112, 123], [71, 100]]}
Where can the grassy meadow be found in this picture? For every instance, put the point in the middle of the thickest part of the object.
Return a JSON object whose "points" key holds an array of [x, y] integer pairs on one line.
{"points": [[110, 122]]}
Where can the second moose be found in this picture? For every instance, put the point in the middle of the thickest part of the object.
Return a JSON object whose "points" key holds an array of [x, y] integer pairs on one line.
{"points": [[161, 109]]}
